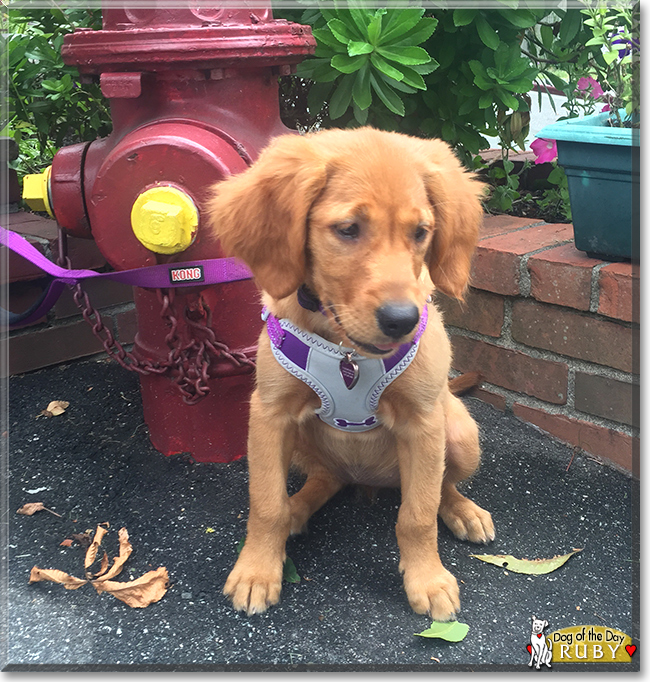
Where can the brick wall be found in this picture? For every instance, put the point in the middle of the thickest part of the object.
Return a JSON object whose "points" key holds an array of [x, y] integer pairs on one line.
{"points": [[63, 334], [554, 334]]}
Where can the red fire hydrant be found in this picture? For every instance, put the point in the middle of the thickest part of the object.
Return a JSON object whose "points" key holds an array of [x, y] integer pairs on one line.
{"points": [[194, 98]]}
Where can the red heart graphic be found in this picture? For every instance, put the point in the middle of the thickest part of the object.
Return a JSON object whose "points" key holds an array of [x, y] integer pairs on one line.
{"points": [[538, 636], [530, 648], [630, 648]]}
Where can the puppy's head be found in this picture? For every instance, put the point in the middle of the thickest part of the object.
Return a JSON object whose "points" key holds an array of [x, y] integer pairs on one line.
{"points": [[366, 219]]}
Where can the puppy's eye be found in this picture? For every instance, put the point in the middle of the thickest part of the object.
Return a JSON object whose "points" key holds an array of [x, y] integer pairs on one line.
{"points": [[420, 234], [351, 231]]}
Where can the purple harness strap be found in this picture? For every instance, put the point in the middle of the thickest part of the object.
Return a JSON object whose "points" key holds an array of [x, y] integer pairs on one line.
{"points": [[205, 272], [346, 405], [277, 336]]}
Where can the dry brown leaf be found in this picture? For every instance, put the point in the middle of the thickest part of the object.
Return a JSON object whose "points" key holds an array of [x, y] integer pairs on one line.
{"points": [[118, 561], [33, 507], [149, 588], [91, 553], [66, 543], [52, 575], [30, 508], [84, 539], [55, 408], [145, 590], [103, 566]]}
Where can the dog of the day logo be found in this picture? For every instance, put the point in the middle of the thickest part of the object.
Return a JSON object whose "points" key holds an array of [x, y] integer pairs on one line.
{"points": [[578, 644], [591, 644], [185, 274]]}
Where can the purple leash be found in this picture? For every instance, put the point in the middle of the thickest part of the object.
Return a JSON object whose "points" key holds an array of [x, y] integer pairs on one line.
{"points": [[205, 272]]}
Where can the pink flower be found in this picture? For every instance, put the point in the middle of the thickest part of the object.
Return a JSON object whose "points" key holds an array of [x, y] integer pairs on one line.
{"points": [[544, 150], [606, 108], [590, 86]]}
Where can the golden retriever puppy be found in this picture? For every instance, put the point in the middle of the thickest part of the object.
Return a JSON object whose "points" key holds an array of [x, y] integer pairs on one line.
{"points": [[347, 233]]}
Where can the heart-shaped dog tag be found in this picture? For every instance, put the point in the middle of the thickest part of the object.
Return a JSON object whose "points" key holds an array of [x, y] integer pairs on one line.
{"points": [[349, 371]]}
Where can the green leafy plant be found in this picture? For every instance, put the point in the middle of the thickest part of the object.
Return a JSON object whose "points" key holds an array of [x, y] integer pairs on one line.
{"points": [[365, 56], [47, 106], [504, 186], [615, 29], [556, 199], [460, 75]]}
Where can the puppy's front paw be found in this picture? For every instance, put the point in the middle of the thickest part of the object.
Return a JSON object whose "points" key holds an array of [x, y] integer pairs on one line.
{"points": [[253, 588], [467, 521], [432, 592]]}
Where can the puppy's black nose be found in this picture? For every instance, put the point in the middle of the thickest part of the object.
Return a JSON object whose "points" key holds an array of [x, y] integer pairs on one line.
{"points": [[397, 319]]}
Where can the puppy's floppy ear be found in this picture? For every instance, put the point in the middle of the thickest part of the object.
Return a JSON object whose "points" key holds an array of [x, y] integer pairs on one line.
{"points": [[454, 195], [260, 215]]}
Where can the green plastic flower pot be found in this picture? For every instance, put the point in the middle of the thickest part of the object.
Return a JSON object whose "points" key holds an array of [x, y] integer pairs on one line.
{"points": [[602, 166]]}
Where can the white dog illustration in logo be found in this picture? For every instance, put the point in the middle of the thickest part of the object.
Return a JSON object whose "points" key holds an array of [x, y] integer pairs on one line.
{"points": [[540, 653]]}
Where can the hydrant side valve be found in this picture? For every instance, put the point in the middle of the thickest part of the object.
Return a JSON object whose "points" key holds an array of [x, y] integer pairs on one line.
{"points": [[36, 191], [164, 219]]}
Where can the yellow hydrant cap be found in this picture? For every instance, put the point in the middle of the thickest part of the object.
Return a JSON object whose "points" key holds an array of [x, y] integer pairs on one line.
{"points": [[36, 191], [164, 219]]}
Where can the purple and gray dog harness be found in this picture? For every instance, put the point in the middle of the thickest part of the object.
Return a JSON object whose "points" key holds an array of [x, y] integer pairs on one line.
{"points": [[349, 385]]}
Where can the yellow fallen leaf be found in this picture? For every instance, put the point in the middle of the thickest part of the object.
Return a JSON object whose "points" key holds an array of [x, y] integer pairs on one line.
{"points": [[118, 561], [528, 566], [52, 575], [145, 590]]}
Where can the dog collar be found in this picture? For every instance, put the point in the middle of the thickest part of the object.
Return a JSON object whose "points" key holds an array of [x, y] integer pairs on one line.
{"points": [[349, 385]]}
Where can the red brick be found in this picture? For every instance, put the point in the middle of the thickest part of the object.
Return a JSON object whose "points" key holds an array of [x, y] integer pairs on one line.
{"points": [[574, 334], [495, 271], [127, 326], [501, 224], [562, 276], [481, 312], [619, 291], [606, 397], [496, 263], [609, 444], [37, 349], [102, 294], [494, 399], [511, 369]]}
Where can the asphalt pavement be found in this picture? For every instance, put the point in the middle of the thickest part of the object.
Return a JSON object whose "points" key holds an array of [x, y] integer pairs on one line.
{"points": [[94, 463]]}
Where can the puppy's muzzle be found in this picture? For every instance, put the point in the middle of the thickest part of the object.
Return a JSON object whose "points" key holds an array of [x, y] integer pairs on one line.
{"points": [[397, 319]]}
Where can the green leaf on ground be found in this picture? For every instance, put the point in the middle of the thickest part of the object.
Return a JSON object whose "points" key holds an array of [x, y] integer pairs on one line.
{"points": [[527, 566], [452, 631], [289, 572]]}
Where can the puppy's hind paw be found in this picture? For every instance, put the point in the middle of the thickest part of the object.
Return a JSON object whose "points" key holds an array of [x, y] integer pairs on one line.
{"points": [[467, 521]]}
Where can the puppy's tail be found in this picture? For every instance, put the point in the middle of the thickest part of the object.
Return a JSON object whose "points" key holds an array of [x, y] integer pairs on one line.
{"points": [[465, 382]]}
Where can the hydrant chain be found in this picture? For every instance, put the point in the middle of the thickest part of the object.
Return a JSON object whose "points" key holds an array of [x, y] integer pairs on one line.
{"points": [[187, 362]]}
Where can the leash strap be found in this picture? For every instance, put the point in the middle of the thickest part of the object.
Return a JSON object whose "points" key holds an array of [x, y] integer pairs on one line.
{"points": [[204, 272]]}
